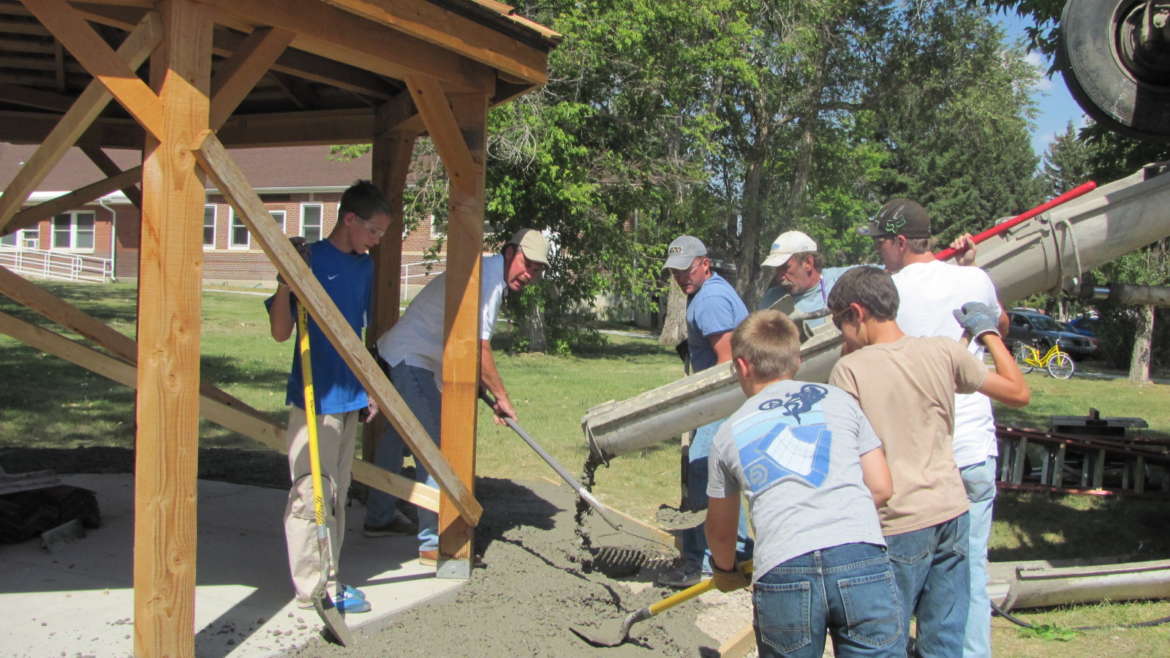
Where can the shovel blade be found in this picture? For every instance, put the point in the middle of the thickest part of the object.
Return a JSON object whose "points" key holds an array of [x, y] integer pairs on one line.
{"points": [[334, 621], [594, 641]]}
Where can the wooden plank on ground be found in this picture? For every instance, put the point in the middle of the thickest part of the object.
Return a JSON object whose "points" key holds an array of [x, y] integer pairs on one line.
{"points": [[740, 644], [437, 114], [170, 281], [461, 331], [240, 73], [237, 417], [231, 182], [134, 50], [71, 29]]}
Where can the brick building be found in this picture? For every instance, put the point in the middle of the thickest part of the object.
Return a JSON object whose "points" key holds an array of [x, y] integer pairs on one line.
{"points": [[299, 185]]}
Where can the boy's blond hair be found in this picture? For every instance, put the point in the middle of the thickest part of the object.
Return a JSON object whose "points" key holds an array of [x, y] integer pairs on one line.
{"points": [[770, 342]]}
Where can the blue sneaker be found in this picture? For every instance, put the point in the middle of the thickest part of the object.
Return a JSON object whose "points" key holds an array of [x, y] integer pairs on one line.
{"points": [[351, 600]]}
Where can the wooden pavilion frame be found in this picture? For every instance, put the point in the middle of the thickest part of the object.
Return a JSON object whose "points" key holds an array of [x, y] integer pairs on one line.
{"points": [[251, 73]]}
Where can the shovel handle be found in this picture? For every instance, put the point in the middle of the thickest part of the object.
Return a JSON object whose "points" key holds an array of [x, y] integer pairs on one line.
{"points": [[691, 592]]}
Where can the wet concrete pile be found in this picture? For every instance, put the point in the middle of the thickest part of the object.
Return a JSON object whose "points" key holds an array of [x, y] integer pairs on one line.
{"points": [[541, 573]]}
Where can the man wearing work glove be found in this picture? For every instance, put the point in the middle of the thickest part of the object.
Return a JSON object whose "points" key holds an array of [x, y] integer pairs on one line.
{"points": [[814, 474]]}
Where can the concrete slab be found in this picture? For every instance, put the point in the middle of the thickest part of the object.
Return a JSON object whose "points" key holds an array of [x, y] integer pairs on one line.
{"points": [[79, 599]]}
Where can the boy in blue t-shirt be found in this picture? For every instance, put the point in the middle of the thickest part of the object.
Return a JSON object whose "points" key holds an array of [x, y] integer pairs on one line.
{"points": [[814, 473], [343, 266]]}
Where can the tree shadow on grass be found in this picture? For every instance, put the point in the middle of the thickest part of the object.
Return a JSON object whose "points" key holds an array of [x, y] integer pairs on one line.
{"points": [[1050, 527]]}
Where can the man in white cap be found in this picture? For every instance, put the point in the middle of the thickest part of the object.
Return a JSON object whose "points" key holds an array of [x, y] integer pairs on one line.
{"points": [[413, 350], [800, 273], [714, 310]]}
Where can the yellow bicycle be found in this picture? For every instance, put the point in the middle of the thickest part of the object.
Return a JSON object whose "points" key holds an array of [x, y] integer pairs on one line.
{"points": [[1056, 361]]}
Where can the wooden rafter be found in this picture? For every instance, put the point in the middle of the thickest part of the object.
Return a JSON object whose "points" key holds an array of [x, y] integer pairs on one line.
{"points": [[33, 97], [240, 73], [435, 109], [71, 29], [340, 36], [231, 182], [440, 26], [216, 405], [133, 51], [111, 169]]}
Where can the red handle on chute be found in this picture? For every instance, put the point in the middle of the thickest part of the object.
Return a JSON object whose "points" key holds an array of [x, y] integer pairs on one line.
{"points": [[1077, 191]]}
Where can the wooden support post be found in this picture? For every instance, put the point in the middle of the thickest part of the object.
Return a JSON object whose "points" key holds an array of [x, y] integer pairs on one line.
{"points": [[134, 50], [169, 322], [461, 332], [391, 156], [1099, 470], [230, 181], [1021, 454], [1058, 465], [1139, 474]]}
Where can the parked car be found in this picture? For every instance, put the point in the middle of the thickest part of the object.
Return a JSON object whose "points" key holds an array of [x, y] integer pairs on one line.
{"points": [[1042, 331], [1086, 325]]}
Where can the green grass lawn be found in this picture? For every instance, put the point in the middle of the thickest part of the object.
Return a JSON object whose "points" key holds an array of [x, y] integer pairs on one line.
{"points": [[81, 421]]}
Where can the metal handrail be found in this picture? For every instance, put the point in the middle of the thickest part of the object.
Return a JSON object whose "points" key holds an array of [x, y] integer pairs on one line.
{"points": [[58, 265]]}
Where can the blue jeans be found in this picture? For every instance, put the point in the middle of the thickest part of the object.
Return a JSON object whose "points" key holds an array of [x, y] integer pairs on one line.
{"points": [[694, 540], [979, 480], [418, 390], [848, 589], [935, 583]]}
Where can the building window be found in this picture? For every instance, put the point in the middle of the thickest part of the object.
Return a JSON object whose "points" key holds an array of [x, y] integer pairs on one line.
{"points": [[209, 226], [311, 214], [29, 238], [437, 230], [238, 238], [73, 231], [278, 216], [8, 241]]}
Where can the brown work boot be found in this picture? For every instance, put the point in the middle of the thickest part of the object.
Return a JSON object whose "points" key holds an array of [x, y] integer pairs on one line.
{"points": [[428, 558]]}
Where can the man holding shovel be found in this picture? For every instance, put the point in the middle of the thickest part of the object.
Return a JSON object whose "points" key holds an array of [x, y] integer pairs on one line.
{"points": [[413, 349], [344, 269]]}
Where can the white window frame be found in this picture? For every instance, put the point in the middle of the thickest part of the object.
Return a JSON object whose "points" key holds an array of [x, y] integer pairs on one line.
{"points": [[31, 234], [73, 232], [283, 219], [435, 233], [232, 233], [214, 223], [321, 219]]}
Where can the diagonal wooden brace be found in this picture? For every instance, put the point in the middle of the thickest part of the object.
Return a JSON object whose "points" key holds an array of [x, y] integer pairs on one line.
{"points": [[230, 181]]}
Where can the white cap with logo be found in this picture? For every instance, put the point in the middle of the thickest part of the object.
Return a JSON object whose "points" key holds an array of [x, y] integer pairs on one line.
{"points": [[786, 244]]}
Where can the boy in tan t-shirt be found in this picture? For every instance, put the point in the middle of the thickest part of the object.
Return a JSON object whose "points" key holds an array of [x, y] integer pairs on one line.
{"points": [[906, 386]]}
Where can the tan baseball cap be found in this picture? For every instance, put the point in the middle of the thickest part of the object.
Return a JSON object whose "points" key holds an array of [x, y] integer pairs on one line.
{"points": [[532, 243]]}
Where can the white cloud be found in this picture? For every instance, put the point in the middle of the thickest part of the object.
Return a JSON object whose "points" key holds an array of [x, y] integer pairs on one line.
{"points": [[1039, 62]]}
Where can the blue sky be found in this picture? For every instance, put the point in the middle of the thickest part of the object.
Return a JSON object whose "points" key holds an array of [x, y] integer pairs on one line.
{"points": [[1056, 107]]}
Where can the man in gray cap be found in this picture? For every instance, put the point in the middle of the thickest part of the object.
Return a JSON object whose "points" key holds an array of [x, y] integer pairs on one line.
{"points": [[929, 290], [800, 274], [413, 350], [714, 310]]}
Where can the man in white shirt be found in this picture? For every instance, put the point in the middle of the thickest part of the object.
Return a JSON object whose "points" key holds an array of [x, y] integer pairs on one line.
{"points": [[930, 290], [413, 350]]}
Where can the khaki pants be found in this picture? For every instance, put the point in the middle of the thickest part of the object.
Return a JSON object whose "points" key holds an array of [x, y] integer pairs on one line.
{"points": [[336, 434]]}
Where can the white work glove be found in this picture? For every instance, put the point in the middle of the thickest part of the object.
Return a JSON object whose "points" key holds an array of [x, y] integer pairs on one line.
{"points": [[977, 319]]}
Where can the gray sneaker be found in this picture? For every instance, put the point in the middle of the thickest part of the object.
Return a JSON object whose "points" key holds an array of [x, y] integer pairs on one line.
{"points": [[399, 525], [681, 577]]}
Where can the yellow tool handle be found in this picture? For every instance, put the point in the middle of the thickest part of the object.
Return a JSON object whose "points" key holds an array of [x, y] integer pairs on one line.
{"points": [[692, 591], [311, 416]]}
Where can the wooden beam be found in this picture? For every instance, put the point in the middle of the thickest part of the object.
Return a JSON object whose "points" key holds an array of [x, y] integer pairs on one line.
{"points": [[298, 128], [74, 199], [240, 73], [311, 67], [71, 29], [245, 421], [170, 278], [110, 168], [32, 97], [391, 163], [344, 37], [435, 109], [461, 319], [740, 644], [231, 182], [457, 33], [68, 128]]}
